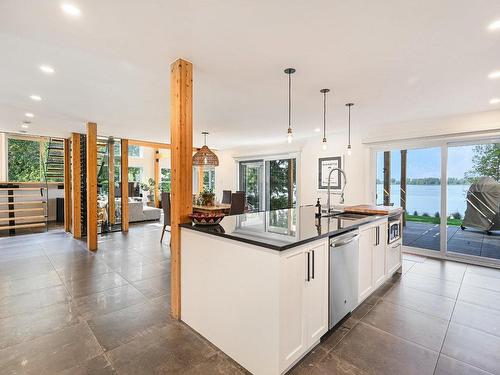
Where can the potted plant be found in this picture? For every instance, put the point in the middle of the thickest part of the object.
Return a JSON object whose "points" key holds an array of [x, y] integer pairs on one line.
{"points": [[149, 188], [207, 198]]}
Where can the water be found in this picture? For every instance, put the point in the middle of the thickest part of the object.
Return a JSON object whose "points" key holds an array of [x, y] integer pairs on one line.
{"points": [[427, 198]]}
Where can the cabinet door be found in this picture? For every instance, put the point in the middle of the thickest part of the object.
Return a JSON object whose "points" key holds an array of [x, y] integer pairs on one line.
{"points": [[317, 295], [293, 341], [393, 257], [379, 253], [365, 281]]}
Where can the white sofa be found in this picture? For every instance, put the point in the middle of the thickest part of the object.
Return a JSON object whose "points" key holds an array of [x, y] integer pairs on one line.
{"points": [[137, 211]]}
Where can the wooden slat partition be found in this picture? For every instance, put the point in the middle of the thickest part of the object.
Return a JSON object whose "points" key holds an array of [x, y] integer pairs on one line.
{"points": [[181, 135], [76, 185], [92, 186], [22, 226], [124, 179], [67, 186]]}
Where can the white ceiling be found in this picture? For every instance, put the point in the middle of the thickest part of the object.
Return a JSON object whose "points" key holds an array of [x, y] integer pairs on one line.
{"points": [[397, 60]]}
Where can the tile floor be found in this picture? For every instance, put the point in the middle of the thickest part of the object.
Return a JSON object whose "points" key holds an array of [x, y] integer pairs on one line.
{"points": [[66, 311]]}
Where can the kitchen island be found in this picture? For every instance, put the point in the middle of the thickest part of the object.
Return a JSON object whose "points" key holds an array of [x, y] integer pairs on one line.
{"points": [[257, 286]]}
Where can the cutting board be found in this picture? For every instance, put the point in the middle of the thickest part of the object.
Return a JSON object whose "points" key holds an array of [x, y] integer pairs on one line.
{"points": [[371, 209]]}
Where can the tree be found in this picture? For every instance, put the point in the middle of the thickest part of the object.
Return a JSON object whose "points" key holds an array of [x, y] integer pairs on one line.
{"points": [[486, 161], [24, 160]]}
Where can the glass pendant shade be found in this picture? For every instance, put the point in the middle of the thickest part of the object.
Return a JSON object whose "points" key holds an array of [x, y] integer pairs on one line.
{"points": [[204, 156]]}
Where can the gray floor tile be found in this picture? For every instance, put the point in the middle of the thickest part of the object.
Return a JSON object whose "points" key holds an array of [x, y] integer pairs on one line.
{"points": [[94, 284], [83, 270], [28, 284], [474, 347], [29, 302], [171, 349], [408, 324], [41, 321], [96, 366], [485, 271], [451, 271], [482, 318], [450, 366], [431, 304], [373, 350], [110, 300], [482, 281], [431, 285], [51, 353], [480, 296], [119, 327], [154, 287], [141, 271]]}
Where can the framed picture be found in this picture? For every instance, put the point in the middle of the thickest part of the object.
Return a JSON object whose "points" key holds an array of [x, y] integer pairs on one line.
{"points": [[324, 167]]}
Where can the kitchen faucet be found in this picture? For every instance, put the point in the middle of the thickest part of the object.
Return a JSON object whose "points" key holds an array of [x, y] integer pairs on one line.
{"points": [[329, 187]]}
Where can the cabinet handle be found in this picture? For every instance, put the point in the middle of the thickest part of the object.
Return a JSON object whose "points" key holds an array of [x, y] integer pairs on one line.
{"points": [[308, 266], [378, 236], [313, 264]]}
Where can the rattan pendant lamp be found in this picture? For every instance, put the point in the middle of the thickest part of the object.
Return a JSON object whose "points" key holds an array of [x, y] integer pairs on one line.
{"points": [[205, 156]]}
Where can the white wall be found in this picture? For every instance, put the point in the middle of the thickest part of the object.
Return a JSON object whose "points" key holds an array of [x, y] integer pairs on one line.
{"points": [[3, 157], [358, 166]]}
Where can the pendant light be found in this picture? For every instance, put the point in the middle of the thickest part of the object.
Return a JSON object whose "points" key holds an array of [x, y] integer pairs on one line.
{"points": [[349, 150], [204, 156], [324, 92], [289, 71]]}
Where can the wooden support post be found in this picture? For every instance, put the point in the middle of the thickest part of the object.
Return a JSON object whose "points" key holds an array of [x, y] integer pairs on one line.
{"points": [[181, 136], [111, 181], [387, 178], [76, 185], [124, 180], [157, 176], [92, 186], [67, 186], [403, 182]]}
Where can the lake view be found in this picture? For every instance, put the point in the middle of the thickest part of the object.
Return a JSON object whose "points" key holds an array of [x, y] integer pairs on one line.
{"points": [[427, 198]]}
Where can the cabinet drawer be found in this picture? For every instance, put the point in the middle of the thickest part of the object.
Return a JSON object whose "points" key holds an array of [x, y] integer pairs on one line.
{"points": [[393, 257]]}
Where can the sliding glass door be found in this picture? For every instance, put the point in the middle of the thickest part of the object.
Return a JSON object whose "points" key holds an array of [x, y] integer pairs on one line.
{"points": [[451, 196], [269, 184], [473, 205]]}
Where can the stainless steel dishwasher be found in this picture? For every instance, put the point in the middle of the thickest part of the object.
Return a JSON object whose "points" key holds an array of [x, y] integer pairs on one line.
{"points": [[344, 255]]}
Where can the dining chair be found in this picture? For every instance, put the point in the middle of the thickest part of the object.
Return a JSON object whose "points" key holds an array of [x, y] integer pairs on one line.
{"points": [[237, 203], [226, 196], [165, 204]]}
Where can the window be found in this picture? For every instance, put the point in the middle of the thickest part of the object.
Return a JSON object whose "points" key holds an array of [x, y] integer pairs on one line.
{"points": [[209, 180], [134, 174], [134, 151], [165, 180], [269, 183], [24, 160]]}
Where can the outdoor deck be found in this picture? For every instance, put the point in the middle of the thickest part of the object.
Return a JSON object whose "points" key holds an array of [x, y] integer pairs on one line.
{"points": [[469, 241]]}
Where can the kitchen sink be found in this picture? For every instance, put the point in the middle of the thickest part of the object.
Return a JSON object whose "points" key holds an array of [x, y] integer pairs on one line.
{"points": [[350, 216]]}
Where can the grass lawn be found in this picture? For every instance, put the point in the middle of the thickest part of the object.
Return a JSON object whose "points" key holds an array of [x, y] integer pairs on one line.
{"points": [[432, 220]]}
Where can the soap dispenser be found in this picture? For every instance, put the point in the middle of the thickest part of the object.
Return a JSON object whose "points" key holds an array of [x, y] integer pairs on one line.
{"points": [[318, 208]]}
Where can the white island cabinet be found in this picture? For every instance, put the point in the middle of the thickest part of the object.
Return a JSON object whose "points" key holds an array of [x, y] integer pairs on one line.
{"points": [[264, 308]]}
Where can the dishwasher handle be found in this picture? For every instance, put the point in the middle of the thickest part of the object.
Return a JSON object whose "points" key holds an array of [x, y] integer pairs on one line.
{"points": [[342, 243]]}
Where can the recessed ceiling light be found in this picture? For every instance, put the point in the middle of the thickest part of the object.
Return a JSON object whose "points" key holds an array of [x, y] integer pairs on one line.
{"points": [[36, 98], [71, 9], [495, 101], [494, 75], [30, 115], [495, 25], [25, 126], [317, 130], [47, 69]]}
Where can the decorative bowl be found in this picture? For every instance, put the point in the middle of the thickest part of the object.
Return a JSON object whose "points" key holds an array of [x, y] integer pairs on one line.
{"points": [[199, 218]]}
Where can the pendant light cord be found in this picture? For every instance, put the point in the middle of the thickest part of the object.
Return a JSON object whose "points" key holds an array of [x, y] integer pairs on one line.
{"points": [[324, 115], [349, 125], [289, 100]]}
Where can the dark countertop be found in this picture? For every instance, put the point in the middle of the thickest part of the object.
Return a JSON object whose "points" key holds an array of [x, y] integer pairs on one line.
{"points": [[281, 229]]}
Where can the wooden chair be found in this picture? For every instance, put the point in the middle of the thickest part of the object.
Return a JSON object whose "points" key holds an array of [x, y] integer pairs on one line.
{"points": [[226, 196], [237, 203], [165, 204]]}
